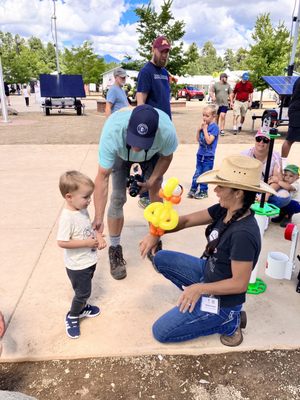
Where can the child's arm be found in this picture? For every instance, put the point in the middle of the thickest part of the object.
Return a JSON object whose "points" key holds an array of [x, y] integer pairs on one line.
{"points": [[208, 138], [77, 244], [101, 241]]}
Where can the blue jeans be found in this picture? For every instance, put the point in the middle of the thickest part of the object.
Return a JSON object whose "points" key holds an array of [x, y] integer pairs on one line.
{"points": [[279, 201], [292, 208], [175, 326], [203, 164]]}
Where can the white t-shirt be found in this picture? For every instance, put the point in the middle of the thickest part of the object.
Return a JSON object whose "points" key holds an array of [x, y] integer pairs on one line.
{"points": [[76, 225], [295, 194]]}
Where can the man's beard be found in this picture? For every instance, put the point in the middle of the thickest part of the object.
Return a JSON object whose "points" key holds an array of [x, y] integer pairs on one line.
{"points": [[158, 62]]}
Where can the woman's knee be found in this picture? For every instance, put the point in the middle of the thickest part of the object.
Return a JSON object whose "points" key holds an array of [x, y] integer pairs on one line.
{"points": [[159, 333], [161, 259]]}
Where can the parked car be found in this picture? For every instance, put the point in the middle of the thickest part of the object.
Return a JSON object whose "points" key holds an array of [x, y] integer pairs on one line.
{"points": [[190, 93]]}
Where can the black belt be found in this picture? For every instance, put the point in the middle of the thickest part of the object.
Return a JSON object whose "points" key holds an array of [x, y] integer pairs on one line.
{"points": [[243, 101]]}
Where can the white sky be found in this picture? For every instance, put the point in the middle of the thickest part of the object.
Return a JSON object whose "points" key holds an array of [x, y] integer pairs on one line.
{"points": [[227, 23]]}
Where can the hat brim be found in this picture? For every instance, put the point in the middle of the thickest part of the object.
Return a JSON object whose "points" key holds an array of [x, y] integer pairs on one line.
{"points": [[140, 142], [162, 48], [212, 177]]}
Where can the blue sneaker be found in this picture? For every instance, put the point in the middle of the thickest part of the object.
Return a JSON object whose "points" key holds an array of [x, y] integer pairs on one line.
{"points": [[72, 326], [89, 311]]}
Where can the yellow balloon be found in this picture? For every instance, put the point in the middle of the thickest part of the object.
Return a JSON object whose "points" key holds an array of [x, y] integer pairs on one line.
{"points": [[170, 186], [162, 215]]}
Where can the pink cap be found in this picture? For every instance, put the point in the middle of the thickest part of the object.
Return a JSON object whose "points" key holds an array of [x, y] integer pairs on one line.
{"points": [[263, 133], [161, 43]]}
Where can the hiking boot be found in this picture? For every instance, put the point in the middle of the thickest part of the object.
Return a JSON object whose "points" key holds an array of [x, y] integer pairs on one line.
{"points": [[201, 195], [233, 340], [150, 256], [285, 221], [72, 326], [144, 202], [191, 194], [117, 262], [89, 311]]}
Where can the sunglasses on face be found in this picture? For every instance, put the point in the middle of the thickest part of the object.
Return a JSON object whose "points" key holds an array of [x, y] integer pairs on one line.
{"points": [[264, 139]]}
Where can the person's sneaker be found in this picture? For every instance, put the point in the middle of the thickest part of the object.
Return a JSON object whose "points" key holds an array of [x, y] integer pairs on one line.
{"points": [[222, 133], [150, 256], [191, 194], [234, 129], [243, 320], [117, 262], [278, 219], [89, 311], [233, 340], [201, 195], [285, 221], [72, 326], [240, 128], [144, 202]]}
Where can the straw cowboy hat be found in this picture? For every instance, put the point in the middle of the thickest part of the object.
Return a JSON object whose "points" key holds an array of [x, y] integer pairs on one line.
{"points": [[238, 172]]}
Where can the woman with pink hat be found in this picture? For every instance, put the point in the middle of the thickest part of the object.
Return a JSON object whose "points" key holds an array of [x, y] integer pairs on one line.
{"points": [[260, 152], [214, 286]]}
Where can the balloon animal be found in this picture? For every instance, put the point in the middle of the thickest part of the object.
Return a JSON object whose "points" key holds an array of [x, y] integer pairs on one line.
{"points": [[162, 216]]}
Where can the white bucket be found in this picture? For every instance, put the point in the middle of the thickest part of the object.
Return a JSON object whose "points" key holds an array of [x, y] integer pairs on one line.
{"points": [[276, 264]]}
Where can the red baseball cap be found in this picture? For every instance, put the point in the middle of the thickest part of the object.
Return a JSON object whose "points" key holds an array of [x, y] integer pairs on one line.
{"points": [[161, 43]]}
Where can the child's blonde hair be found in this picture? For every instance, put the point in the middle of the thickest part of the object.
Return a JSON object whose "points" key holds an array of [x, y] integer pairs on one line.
{"points": [[212, 108], [70, 181]]}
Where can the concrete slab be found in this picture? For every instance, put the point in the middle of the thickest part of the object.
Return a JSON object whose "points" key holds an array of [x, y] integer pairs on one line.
{"points": [[36, 292]]}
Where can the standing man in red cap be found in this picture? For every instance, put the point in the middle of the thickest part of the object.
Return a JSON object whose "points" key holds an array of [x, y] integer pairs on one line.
{"points": [[153, 86], [153, 80]]}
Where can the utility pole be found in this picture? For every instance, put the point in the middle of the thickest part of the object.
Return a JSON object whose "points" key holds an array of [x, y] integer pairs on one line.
{"points": [[2, 95], [296, 20], [55, 37]]}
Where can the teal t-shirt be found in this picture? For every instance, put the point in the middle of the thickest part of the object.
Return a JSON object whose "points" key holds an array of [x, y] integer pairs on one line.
{"points": [[113, 139]]}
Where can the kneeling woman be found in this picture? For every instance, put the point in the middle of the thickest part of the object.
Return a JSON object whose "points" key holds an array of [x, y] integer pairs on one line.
{"points": [[214, 285]]}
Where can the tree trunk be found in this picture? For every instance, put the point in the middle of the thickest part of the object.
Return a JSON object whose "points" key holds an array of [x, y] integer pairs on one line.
{"points": [[261, 97]]}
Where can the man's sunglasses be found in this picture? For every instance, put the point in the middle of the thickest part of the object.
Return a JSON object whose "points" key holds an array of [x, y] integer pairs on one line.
{"points": [[261, 138]]}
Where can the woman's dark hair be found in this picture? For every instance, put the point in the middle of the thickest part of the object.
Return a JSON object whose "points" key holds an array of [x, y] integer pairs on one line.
{"points": [[249, 198]]}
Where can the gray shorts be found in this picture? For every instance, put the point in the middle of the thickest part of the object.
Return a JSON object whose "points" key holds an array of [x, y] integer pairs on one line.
{"points": [[120, 172]]}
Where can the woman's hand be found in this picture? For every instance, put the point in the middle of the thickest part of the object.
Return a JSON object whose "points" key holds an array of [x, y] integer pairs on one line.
{"points": [[189, 297], [148, 243]]}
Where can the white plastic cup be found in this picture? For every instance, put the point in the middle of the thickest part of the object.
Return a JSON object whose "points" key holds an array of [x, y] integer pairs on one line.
{"points": [[276, 264]]}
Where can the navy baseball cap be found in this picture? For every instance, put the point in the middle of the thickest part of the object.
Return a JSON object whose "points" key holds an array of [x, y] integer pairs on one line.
{"points": [[142, 127]]}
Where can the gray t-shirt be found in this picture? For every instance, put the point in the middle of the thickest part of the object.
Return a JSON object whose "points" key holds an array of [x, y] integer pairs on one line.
{"points": [[222, 91]]}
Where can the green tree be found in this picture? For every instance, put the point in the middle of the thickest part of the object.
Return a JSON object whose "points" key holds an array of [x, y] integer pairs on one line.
{"points": [[210, 61], [269, 54], [82, 60], [229, 60], [194, 65], [152, 24], [241, 58]]}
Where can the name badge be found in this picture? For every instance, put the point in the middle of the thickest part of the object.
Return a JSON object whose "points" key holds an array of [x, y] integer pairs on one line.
{"points": [[210, 304]]}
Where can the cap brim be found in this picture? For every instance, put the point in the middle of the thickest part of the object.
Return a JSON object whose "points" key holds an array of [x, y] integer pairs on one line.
{"points": [[212, 177], [162, 48], [140, 142]]}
